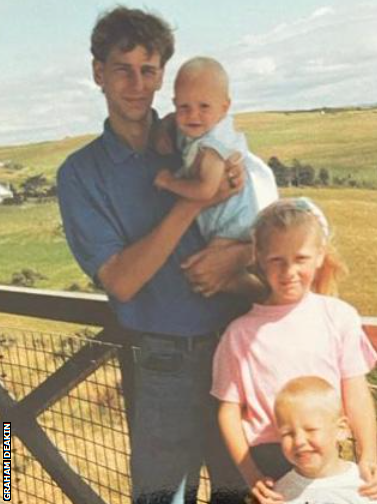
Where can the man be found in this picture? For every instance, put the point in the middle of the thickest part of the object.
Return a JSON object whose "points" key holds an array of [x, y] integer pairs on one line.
{"points": [[132, 239]]}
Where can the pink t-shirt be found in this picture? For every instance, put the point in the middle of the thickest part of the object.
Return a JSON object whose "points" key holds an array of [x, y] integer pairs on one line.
{"points": [[270, 345]]}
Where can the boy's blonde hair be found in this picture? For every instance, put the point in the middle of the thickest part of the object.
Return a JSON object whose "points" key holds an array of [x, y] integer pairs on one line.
{"points": [[288, 213], [309, 387], [195, 67]]}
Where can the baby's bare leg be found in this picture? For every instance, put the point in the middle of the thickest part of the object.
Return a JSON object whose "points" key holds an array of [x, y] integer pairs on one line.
{"points": [[218, 241]]}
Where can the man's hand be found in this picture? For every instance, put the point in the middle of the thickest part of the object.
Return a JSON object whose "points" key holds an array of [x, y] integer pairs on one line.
{"points": [[163, 179], [264, 493], [368, 472], [210, 270], [162, 134], [235, 171]]}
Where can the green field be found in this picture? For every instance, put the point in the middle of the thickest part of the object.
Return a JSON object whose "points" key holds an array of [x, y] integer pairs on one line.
{"points": [[341, 140], [344, 141], [31, 237]]}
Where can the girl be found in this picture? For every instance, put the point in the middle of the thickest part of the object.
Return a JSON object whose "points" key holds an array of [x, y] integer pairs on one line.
{"points": [[299, 330]]}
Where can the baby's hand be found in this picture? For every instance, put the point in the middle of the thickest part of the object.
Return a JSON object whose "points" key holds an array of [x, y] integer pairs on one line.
{"points": [[163, 179], [264, 493], [368, 472]]}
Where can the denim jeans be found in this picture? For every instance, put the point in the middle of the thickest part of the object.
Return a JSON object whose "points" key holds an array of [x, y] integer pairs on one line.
{"points": [[173, 422]]}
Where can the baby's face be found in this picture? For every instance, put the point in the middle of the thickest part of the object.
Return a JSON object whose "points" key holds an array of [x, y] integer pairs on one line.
{"points": [[309, 438], [200, 104]]}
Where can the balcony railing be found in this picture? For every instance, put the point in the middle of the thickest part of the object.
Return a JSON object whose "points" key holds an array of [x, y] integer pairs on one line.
{"points": [[61, 391]]}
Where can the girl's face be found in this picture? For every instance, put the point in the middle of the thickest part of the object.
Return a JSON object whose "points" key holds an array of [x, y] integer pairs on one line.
{"points": [[289, 260]]}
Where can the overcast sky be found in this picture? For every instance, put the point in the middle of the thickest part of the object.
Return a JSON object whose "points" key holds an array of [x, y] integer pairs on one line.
{"points": [[280, 54]]}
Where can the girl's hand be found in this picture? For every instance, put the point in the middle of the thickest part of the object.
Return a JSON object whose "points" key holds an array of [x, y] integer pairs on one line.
{"points": [[264, 493], [368, 472]]}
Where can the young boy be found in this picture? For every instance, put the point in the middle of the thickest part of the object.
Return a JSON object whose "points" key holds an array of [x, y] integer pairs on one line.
{"points": [[206, 138], [311, 424]]}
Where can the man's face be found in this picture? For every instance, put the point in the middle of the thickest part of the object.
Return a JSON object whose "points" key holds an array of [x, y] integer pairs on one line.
{"points": [[129, 81]]}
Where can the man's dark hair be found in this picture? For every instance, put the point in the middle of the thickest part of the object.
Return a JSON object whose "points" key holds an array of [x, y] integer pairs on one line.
{"points": [[127, 28]]}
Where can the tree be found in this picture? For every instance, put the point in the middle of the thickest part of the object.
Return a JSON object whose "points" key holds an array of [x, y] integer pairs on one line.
{"points": [[324, 177], [303, 174], [282, 173], [35, 186]]}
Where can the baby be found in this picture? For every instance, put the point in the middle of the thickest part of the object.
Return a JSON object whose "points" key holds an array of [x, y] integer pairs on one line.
{"points": [[206, 138], [311, 424]]}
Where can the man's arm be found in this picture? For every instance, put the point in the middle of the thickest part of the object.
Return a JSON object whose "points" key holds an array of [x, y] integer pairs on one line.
{"points": [[97, 242], [204, 184], [126, 272]]}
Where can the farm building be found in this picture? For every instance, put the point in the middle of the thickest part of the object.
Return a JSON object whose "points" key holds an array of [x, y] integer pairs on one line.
{"points": [[5, 192]]}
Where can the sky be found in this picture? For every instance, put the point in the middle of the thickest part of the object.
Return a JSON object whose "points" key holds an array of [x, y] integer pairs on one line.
{"points": [[280, 55]]}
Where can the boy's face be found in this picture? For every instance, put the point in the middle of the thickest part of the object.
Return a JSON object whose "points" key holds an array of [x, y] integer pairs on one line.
{"points": [[129, 81], [200, 104], [310, 434]]}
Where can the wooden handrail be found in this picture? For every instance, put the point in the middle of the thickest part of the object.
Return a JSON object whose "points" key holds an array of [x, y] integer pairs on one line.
{"points": [[83, 308], [75, 307]]}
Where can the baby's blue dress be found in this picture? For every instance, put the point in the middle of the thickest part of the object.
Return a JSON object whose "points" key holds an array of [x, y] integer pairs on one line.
{"points": [[233, 218]]}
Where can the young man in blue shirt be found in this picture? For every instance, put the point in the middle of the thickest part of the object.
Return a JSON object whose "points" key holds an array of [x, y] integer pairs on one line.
{"points": [[133, 239]]}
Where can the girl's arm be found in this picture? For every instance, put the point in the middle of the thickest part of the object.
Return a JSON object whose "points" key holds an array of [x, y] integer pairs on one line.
{"points": [[230, 420], [359, 408], [204, 185]]}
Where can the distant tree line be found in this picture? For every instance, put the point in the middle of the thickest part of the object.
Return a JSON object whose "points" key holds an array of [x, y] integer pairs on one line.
{"points": [[300, 174], [36, 188]]}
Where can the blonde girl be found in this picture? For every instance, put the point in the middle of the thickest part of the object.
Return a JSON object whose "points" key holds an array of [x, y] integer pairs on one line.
{"points": [[298, 330]]}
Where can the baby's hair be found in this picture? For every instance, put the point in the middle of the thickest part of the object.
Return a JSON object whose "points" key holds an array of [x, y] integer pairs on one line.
{"points": [[288, 213], [195, 67], [308, 387]]}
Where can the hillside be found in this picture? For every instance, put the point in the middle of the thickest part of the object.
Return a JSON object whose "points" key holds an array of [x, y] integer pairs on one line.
{"points": [[344, 141], [38, 158]]}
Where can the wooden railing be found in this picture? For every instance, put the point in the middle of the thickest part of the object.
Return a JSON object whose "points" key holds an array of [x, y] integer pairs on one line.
{"points": [[87, 309]]}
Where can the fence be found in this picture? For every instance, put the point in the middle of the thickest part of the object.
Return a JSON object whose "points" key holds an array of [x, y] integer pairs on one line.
{"points": [[62, 394]]}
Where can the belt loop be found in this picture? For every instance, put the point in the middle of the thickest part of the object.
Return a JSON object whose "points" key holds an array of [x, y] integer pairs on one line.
{"points": [[135, 353], [190, 344]]}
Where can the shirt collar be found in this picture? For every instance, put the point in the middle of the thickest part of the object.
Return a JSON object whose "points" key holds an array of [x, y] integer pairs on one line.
{"points": [[116, 149]]}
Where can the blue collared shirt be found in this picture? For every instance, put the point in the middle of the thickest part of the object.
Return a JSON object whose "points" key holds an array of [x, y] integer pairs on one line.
{"points": [[108, 201]]}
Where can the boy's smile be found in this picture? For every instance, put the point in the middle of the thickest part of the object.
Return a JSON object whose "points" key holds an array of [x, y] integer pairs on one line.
{"points": [[309, 437]]}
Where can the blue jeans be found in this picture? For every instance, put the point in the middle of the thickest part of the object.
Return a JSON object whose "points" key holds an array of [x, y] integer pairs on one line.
{"points": [[173, 421]]}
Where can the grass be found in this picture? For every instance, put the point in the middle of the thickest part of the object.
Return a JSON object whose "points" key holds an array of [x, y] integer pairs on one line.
{"points": [[344, 142], [31, 237], [40, 158], [350, 212]]}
